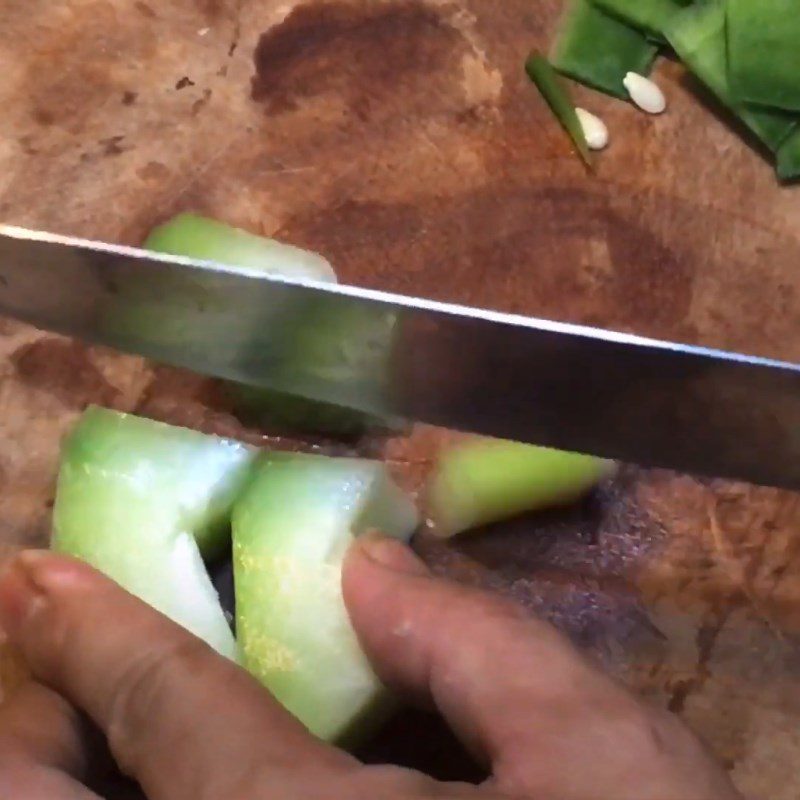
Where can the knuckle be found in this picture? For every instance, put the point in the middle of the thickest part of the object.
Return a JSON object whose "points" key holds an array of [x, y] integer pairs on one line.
{"points": [[51, 627], [142, 690]]}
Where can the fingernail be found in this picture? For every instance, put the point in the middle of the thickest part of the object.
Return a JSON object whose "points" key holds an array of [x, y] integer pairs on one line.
{"points": [[393, 554], [20, 594]]}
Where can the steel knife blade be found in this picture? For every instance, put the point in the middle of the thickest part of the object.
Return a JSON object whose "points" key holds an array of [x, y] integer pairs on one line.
{"points": [[578, 388]]}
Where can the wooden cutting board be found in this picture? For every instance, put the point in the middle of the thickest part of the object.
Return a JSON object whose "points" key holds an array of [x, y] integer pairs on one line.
{"points": [[402, 139]]}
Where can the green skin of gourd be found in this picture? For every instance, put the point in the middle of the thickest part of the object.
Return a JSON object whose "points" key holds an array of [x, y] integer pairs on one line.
{"points": [[698, 36], [291, 530], [764, 51], [194, 236], [169, 314], [482, 481], [789, 157], [552, 88], [650, 16], [599, 50], [143, 502]]}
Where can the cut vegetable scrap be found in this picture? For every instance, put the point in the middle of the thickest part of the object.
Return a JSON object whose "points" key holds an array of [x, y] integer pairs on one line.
{"points": [[764, 52], [557, 96], [650, 16], [482, 481], [599, 50], [698, 36], [290, 533], [140, 500], [746, 52]]}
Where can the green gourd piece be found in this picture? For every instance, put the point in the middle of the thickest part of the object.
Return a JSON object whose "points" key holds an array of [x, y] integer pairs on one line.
{"points": [[141, 501], [291, 530], [480, 481], [312, 342], [205, 239]]}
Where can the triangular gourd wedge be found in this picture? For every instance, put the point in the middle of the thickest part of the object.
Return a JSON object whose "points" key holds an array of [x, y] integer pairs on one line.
{"points": [[291, 530], [141, 501]]}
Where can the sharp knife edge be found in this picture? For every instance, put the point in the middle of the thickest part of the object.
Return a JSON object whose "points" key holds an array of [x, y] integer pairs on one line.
{"points": [[608, 393]]}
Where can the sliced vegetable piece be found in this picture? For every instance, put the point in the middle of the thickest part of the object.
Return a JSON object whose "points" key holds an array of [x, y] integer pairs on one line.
{"points": [[557, 96], [598, 50], [194, 236], [650, 16], [139, 500], [764, 52], [789, 157], [480, 481], [166, 315], [291, 530], [346, 346], [698, 36]]}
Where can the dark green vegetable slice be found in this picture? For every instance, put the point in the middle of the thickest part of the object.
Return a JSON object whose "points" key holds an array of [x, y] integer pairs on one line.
{"points": [[789, 157], [650, 16], [764, 51], [557, 96], [698, 36], [598, 50]]}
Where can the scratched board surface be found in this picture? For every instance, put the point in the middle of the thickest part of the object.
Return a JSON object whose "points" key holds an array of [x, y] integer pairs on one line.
{"points": [[402, 139]]}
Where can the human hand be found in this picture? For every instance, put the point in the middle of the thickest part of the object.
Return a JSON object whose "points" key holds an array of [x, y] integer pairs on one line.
{"points": [[189, 725]]}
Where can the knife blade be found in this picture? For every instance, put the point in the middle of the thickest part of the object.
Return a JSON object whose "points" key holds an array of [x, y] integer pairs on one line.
{"points": [[611, 394]]}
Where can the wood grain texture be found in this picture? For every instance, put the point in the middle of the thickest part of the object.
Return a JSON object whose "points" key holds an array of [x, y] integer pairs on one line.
{"points": [[403, 140]]}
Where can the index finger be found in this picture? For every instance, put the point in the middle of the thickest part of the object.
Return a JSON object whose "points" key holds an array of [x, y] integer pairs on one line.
{"points": [[182, 720]]}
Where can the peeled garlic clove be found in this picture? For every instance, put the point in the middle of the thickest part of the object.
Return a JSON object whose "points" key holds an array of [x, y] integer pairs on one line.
{"points": [[594, 129], [645, 94]]}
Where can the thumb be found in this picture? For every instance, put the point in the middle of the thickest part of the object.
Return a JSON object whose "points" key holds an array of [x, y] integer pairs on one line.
{"points": [[515, 691], [182, 720]]}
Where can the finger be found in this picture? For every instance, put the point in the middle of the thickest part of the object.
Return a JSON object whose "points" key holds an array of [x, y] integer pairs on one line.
{"points": [[39, 725], [42, 753], [182, 720], [515, 691]]}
